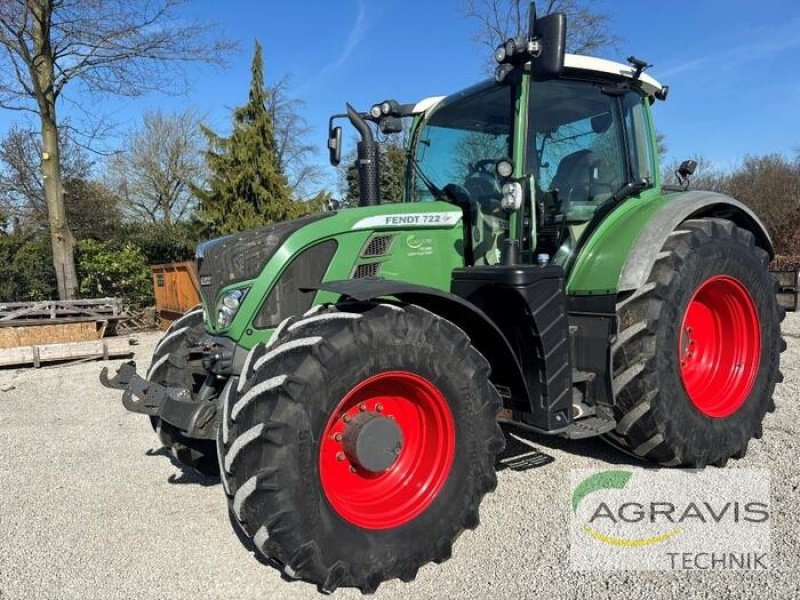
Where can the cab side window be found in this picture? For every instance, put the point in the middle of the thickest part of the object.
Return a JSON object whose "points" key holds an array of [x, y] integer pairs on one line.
{"points": [[584, 145], [638, 137]]}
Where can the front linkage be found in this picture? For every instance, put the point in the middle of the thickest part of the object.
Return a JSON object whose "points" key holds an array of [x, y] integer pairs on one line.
{"points": [[194, 414]]}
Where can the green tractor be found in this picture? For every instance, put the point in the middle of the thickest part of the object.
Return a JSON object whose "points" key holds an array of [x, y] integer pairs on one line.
{"points": [[346, 370]]}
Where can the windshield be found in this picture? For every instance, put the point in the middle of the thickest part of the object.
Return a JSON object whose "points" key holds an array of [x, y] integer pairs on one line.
{"points": [[459, 145]]}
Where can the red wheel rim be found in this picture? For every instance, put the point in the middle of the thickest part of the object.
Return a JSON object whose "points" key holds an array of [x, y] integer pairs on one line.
{"points": [[720, 346], [405, 489]]}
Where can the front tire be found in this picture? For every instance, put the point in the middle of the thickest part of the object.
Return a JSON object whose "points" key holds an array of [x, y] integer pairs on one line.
{"points": [[697, 353], [171, 366], [360, 444]]}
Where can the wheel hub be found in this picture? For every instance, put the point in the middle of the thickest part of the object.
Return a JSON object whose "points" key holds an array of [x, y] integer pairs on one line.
{"points": [[372, 442], [387, 449]]}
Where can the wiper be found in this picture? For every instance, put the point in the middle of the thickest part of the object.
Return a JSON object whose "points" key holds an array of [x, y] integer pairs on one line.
{"points": [[632, 188], [435, 191]]}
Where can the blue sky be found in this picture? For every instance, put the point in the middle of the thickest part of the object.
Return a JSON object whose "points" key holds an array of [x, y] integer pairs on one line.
{"points": [[732, 65]]}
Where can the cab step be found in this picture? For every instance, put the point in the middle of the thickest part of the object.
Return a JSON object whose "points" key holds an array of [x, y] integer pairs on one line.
{"points": [[587, 427]]}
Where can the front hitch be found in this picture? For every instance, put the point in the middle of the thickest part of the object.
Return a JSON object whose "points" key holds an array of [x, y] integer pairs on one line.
{"points": [[195, 416]]}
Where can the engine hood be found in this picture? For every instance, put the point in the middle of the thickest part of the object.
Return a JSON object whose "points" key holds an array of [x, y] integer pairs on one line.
{"points": [[241, 256]]}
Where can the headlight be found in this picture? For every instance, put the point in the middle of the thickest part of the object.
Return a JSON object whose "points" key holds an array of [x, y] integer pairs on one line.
{"points": [[512, 196], [228, 305]]}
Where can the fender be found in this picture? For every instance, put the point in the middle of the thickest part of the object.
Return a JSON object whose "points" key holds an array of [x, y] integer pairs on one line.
{"points": [[482, 331], [620, 252], [686, 205]]}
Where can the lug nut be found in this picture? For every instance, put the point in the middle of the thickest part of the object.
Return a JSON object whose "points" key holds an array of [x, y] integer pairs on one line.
{"points": [[379, 407], [362, 407], [352, 469], [338, 437], [346, 418], [340, 456]]}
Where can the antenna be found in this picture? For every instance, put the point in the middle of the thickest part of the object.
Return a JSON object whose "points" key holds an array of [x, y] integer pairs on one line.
{"points": [[639, 66]]}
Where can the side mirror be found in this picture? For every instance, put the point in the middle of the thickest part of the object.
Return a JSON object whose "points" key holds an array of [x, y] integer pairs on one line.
{"points": [[335, 145], [687, 168], [551, 32]]}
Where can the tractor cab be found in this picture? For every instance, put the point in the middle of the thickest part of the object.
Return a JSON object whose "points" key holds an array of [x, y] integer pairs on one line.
{"points": [[535, 158]]}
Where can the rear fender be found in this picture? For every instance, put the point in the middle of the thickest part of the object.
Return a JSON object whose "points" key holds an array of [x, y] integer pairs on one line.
{"points": [[620, 253], [688, 205]]}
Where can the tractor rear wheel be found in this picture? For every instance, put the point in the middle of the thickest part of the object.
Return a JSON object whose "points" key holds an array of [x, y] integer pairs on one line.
{"points": [[697, 353], [359, 443], [170, 366]]}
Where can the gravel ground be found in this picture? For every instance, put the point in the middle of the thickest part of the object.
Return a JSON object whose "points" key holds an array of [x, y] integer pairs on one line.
{"points": [[90, 508]]}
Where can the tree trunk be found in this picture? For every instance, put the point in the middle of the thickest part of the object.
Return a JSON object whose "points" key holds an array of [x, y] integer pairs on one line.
{"points": [[60, 236], [43, 75]]}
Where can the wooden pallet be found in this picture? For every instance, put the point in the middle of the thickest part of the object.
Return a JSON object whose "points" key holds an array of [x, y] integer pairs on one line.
{"points": [[34, 313], [36, 355]]}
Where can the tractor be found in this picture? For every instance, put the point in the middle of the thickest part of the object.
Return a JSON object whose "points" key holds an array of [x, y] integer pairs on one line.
{"points": [[345, 372]]}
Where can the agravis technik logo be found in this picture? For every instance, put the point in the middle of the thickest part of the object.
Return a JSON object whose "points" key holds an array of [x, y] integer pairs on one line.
{"points": [[670, 519]]}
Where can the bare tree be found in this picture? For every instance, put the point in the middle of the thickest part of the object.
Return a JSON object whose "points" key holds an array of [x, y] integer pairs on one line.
{"points": [[770, 185], [115, 47], [291, 139], [588, 31], [162, 160], [21, 185]]}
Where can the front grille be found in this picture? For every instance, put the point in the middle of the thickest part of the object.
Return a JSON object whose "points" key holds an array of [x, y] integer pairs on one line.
{"points": [[288, 296], [378, 246], [367, 270]]}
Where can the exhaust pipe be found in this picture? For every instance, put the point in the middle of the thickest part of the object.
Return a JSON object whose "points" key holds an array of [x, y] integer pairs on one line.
{"points": [[368, 161]]}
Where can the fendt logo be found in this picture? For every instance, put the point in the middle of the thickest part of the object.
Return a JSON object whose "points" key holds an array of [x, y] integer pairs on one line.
{"points": [[670, 519]]}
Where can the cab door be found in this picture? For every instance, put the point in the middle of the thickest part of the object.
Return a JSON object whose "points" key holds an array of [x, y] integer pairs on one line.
{"points": [[586, 141]]}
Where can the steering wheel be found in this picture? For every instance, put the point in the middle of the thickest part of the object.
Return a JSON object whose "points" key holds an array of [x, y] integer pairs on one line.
{"points": [[482, 185], [485, 165]]}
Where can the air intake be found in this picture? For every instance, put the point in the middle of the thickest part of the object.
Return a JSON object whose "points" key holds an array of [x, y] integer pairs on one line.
{"points": [[378, 246], [367, 270]]}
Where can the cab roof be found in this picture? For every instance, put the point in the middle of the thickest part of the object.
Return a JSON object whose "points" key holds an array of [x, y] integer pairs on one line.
{"points": [[601, 65], [573, 62]]}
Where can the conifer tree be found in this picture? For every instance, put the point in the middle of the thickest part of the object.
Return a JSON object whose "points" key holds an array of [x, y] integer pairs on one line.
{"points": [[246, 187]]}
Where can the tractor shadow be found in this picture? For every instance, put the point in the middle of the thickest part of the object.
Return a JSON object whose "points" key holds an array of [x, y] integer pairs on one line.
{"points": [[526, 450], [185, 475]]}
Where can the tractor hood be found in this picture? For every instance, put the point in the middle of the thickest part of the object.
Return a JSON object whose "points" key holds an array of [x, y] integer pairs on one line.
{"points": [[250, 282], [241, 256]]}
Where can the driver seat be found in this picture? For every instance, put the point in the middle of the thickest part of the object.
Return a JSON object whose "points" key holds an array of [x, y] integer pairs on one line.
{"points": [[574, 176]]}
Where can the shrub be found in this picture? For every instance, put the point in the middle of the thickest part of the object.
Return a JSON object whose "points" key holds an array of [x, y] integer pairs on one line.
{"points": [[26, 267], [161, 243], [114, 268]]}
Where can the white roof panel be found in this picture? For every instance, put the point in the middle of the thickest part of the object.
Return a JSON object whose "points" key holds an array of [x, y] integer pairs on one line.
{"points": [[590, 63]]}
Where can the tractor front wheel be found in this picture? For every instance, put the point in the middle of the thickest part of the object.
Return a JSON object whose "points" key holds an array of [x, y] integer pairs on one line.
{"points": [[359, 444], [697, 352], [171, 367]]}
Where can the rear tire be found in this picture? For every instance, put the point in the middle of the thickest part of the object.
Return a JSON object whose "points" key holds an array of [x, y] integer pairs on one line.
{"points": [[694, 398], [170, 366], [296, 489]]}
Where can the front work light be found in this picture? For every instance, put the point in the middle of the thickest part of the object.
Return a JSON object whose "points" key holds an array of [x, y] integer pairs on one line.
{"points": [[512, 196]]}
